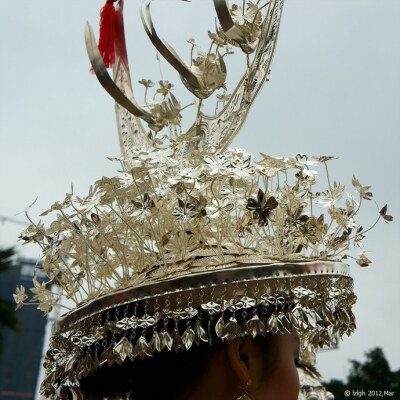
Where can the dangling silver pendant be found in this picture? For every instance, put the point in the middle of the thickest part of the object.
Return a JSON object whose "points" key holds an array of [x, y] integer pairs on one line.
{"points": [[244, 395]]}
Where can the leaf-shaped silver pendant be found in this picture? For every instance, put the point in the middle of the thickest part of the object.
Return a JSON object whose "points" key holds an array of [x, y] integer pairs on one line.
{"points": [[74, 392], [105, 355], [123, 348], [142, 347], [166, 339], [155, 342], [325, 338], [199, 333], [188, 338], [312, 317], [71, 380], [279, 323], [70, 364], [80, 365], [231, 329], [255, 326], [284, 324], [344, 316], [219, 326], [177, 340], [89, 364], [272, 323], [352, 324], [299, 317]]}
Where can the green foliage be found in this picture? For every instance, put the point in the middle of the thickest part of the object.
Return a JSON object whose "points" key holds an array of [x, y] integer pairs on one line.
{"points": [[6, 259], [373, 377], [8, 318]]}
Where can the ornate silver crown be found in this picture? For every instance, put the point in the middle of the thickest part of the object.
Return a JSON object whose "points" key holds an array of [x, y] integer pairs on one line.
{"points": [[191, 240]]}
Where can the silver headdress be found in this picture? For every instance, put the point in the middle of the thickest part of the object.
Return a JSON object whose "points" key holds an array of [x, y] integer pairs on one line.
{"points": [[192, 240]]}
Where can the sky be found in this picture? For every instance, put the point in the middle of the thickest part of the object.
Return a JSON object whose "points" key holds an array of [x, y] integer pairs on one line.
{"points": [[334, 89]]}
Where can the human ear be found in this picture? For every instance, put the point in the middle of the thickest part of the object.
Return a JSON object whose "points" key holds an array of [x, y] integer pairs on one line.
{"points": [[240, 352]]}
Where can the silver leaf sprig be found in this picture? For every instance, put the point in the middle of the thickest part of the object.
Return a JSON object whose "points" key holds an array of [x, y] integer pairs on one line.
{"points": [[153, 220]]}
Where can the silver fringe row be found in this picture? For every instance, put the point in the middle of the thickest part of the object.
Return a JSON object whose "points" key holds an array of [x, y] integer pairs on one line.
{"points": [[318, 308]]}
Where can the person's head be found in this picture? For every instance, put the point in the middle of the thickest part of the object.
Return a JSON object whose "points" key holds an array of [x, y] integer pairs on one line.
{"points": [[264, 366]]}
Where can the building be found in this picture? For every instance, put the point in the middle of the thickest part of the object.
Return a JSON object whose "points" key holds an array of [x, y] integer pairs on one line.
{"points": [[20, 364]]}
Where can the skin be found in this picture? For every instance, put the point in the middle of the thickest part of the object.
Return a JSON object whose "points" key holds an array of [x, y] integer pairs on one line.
{"points": [[241, 362]]}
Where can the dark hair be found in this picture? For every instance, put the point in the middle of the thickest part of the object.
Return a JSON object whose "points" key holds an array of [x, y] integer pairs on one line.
{"points": [[165, 375]]}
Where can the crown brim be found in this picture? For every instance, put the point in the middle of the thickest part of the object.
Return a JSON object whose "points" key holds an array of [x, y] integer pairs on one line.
{"points": [[313, 298]]}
